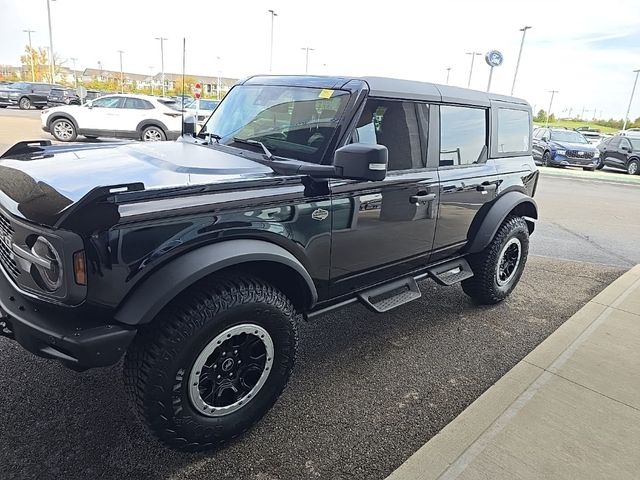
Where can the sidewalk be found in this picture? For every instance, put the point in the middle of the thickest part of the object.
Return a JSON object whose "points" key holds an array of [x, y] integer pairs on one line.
{"points": [[569, 410]]}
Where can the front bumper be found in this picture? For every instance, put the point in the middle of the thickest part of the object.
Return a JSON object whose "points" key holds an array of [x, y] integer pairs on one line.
{"points": [[564, 161], [79, 341]]}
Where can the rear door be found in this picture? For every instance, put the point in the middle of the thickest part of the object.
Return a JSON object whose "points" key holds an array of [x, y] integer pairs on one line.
{"points": [[467, 179], [385, 229], [40, 93], [131, 112], [611, 155]]}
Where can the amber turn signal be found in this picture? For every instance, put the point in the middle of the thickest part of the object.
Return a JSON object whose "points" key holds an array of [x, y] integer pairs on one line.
{"points": [[80, 267]]}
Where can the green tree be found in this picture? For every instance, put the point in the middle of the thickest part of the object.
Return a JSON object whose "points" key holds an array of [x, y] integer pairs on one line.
{"points": [[552, 118], [189, 85], [541, 116]]}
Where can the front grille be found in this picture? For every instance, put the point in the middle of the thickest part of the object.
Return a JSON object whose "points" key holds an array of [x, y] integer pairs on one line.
{"points": [[579, 154], [6, 239]]}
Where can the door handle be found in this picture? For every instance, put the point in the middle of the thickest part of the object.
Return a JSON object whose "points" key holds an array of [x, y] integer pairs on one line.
{"points": [[486, 187], [422, 197]]}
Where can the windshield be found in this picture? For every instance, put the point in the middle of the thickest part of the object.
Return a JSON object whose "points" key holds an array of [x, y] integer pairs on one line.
{"points": [[296, 122], [204, 105], [568, 136]]}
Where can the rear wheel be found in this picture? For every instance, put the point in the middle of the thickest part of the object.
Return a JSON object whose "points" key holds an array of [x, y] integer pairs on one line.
{"points": [[546, 159], [24, 103], [633, 167], [153, 134], [600, 165], [213, 362], [64, 130], [498, 268]]}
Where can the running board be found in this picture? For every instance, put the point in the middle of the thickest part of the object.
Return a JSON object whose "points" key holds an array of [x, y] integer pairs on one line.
{"points": [[391, 295], [451, 272]]}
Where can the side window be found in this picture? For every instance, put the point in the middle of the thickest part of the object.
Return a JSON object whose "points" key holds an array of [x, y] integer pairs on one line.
{"points": [[625, 143], [137, 104], [393, 124], [463, 135], [513, 131], [615, 142], [106, 102]]}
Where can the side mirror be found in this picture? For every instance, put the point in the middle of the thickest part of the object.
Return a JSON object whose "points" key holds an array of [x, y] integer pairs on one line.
{"points": [[545, 139], [88, 105], [361, 161], [189, 125]]}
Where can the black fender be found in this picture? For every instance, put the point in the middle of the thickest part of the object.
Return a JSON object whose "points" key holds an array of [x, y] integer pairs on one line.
{"points": [[65, 115], [157, 290], [484, 227], [151, 122]]}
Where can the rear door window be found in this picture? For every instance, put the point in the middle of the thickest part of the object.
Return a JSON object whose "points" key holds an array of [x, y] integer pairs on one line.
{"points": [[513, 131], [463, 135]]}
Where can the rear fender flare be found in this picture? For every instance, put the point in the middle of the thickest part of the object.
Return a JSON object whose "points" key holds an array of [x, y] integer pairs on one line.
{"points": [[158, 289], [485, 228]]}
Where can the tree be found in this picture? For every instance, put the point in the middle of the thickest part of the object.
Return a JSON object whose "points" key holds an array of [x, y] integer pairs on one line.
{"points": [[541, 116], [189, 84], [41, 68], [552, 118]]}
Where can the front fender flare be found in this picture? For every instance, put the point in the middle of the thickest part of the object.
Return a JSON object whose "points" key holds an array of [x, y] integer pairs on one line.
{"points": [[482, 232], [156, 291]]}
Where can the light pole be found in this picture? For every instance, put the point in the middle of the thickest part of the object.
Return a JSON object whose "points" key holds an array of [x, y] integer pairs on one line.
{"points": [[633, 90], [162, 40], [218, 81], [52, 62], [100, 67], [306, 62], [273, 15], [552, 92], [75, 77], [33, 70], [151, 77], [121, 74], [473, 57], [515, 75], [448, 73]]}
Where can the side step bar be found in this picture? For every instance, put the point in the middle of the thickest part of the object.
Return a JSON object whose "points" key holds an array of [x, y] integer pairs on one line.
{"points": [[391, 295], [451, 272]]}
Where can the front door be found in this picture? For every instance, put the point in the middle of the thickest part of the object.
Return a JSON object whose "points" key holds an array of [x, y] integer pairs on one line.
{"points": [[467, 179], [100, 117], [385, 229]]}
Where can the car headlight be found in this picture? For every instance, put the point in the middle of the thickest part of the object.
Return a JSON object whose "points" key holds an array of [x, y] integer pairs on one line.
{"points": [[561, 152], [47, 272], [596, 154], [14, 94]]}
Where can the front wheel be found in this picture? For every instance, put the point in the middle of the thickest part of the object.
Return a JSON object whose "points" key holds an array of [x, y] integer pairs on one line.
{"points": [[24, 103], [633, 168], [153, 134], [63, 130], [546, 159], [498, 268], [213, 362]]}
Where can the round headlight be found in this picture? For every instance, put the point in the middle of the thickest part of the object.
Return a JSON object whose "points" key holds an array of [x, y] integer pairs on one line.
{"points": [[48, 277]]}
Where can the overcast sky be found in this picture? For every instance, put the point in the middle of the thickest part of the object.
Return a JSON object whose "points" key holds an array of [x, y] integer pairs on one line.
{"points": [[586, 50]]}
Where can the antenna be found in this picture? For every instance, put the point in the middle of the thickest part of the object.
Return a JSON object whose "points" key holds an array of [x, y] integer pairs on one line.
{"points": [[184, 53]]}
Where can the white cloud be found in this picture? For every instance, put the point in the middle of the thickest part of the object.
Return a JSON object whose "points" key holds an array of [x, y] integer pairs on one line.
{"points": [[408, 39]]}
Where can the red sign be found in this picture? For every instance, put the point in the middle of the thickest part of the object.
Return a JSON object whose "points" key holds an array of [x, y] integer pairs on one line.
{"points": [[197, 90]]}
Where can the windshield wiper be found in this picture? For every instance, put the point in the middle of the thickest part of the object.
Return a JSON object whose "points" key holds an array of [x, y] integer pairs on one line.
{"points": [[267, 153]]}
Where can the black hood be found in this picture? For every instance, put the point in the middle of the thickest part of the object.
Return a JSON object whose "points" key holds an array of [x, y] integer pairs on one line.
{"points": [[42, 186]]}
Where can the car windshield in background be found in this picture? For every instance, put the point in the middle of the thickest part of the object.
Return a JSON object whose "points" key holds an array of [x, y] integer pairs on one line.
{"points": [[204, 105], [171, 104], [291, 121], [568, 136]]}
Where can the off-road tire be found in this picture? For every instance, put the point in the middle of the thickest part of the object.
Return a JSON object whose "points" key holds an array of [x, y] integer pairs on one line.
{"points": [[483, 287], [158, 363]]}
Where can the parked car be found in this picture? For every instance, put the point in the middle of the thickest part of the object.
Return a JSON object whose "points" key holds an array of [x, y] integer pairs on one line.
{"points": [[26, 94], [563, 148], [622, 153], [630, 132], [139, 117], [300, 196], [62, 96], [593, 135], [203, 110], [183, 100]]}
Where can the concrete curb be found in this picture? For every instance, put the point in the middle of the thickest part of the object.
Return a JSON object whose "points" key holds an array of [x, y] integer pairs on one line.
{"points": [[540, 419]]}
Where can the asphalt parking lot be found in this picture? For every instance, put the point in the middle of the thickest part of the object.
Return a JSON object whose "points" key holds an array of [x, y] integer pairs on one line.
{"points": [[367, 391]]}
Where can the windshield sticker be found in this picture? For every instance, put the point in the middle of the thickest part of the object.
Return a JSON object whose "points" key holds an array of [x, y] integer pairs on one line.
{"points": [[325, 93]]}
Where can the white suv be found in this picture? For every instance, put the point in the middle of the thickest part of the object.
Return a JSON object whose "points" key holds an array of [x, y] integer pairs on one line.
{"points": [[140, 117]]}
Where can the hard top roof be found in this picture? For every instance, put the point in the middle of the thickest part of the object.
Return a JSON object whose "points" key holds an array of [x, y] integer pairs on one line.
{"points": [[392, 88]]}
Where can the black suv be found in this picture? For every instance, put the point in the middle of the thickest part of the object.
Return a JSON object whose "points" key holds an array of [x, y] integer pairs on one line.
{"points": [[62, 96], [26, 94], [621, 152], [196, 259]]}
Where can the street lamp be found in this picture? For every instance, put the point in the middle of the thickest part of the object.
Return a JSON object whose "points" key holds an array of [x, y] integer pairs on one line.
{"points": [[515, 75], [151, 77], [633, 90], [75, 77], [33, 71], [473, 57], [306, 64], [552, 92], [162, 40], [448, 73], [52, 62], [121, 74], [218, 81], [273, 15]]}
